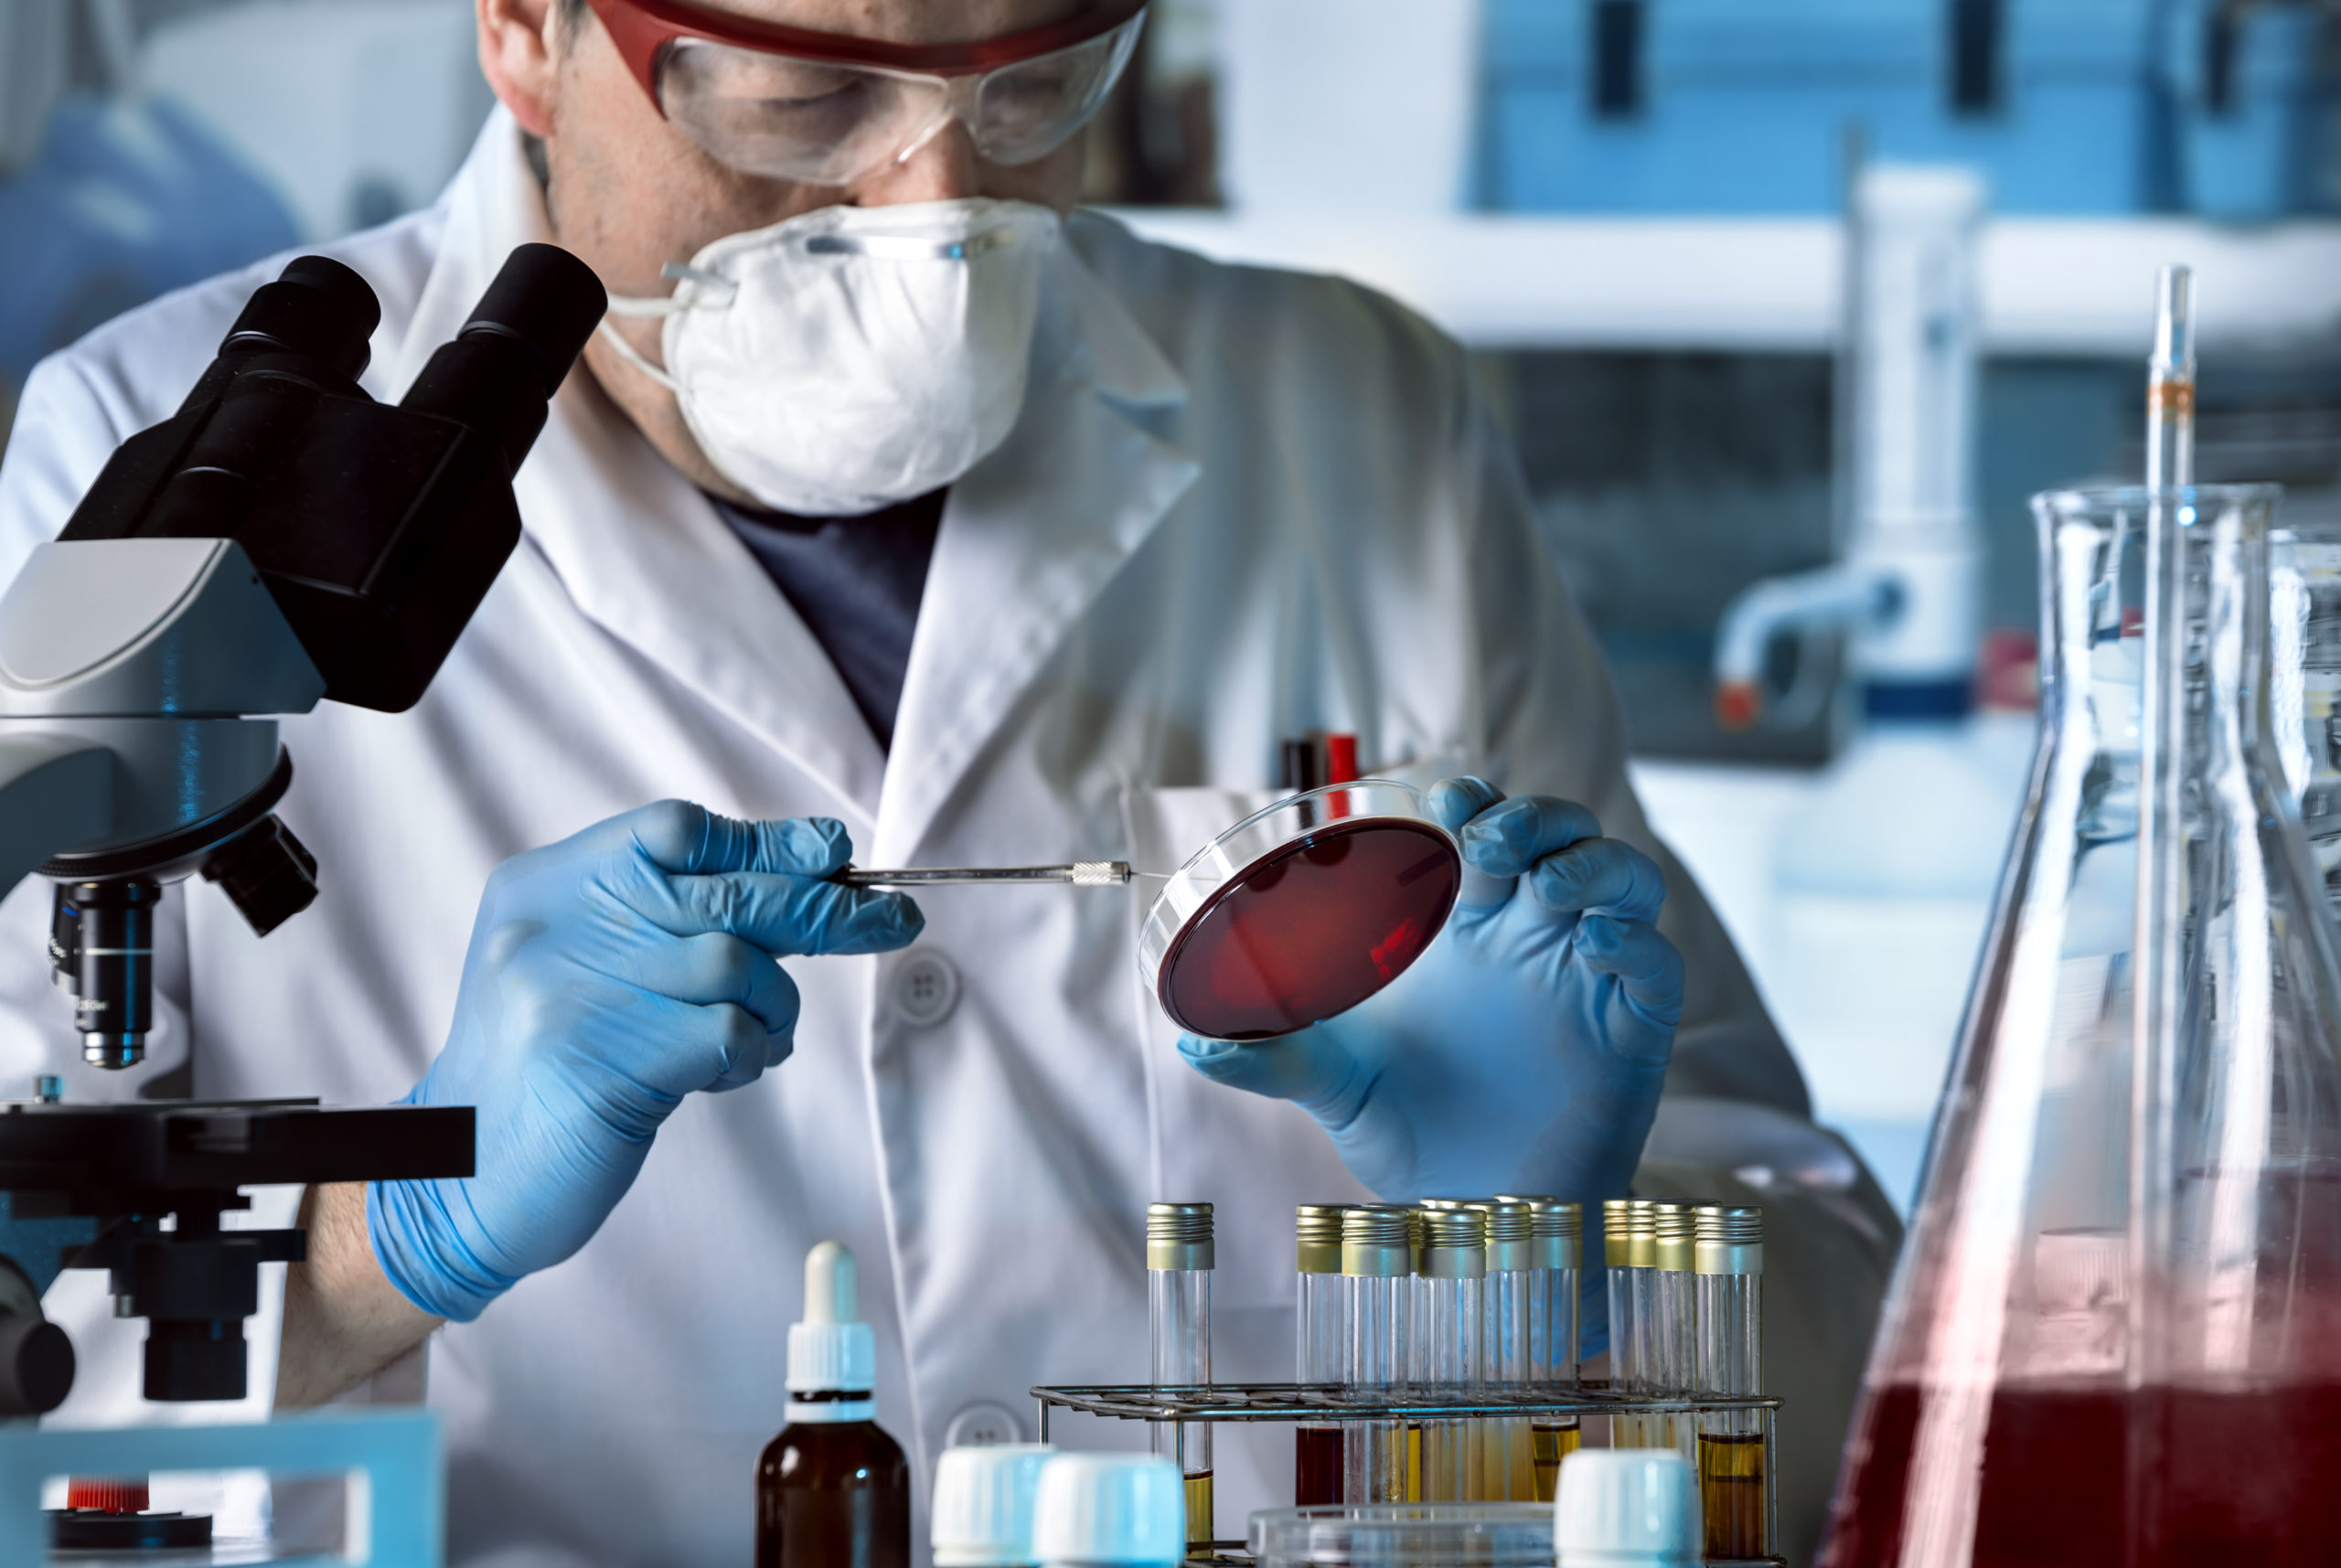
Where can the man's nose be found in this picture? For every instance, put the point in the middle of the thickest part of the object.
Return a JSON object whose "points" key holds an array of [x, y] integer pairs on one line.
{"points": [[944, 168]]}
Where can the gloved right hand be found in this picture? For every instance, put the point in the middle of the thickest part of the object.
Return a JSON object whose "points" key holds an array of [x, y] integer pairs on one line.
{"points": [[609, 976]]}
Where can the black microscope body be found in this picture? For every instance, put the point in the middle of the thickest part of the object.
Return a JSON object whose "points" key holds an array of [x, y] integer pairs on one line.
{"points": [[303, 542]]}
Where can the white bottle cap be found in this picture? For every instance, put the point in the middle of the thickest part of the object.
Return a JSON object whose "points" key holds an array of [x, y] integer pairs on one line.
{"points": [[1110, 1508], [1626, 1506], [831, 1352], [983, 1504]]}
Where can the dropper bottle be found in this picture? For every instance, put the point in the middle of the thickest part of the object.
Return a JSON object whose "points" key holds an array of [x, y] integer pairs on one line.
{"points": [[832, 1488]]}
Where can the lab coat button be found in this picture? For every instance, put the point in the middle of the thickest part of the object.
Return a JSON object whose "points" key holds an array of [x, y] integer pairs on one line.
{"points": [[927, 987], [983, 1424]]}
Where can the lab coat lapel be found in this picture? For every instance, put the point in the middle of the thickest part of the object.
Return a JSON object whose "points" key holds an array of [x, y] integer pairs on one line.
{"points": [[1029, 538], [640, 551]]}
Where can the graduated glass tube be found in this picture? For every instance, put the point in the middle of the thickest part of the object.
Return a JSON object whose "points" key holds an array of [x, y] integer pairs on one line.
{"points": [[1673, 1338], [1552, 1332], [1179, 1260], [1507, 1455], [1447, 1343], [1320, 1348], [1729, 1280], [1377, 1292]]}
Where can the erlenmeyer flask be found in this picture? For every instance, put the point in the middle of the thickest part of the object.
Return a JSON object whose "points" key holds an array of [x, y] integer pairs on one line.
{"points": [[2008, 1317], [2077, 1213], [2235, 1330]]}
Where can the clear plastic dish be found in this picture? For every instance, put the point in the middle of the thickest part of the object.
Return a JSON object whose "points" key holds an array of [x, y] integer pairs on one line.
{"points": [[1301, 912], [1403, 1535]]}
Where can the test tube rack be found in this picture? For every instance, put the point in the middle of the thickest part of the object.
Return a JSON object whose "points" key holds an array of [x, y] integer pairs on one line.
{"points": [[1316, 1402]]}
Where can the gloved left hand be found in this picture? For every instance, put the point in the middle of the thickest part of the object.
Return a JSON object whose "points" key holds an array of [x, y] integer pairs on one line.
{"points": [[1524, 1051]]}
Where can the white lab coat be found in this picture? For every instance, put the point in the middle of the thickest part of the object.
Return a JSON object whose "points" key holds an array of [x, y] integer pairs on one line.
{"points": [[1239, 505]]}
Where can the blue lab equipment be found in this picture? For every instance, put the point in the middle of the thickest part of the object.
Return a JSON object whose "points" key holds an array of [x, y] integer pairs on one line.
{"points": [[123, 200]]}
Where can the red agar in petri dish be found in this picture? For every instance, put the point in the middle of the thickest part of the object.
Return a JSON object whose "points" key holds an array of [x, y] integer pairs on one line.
{"points": [[1311, 929]]}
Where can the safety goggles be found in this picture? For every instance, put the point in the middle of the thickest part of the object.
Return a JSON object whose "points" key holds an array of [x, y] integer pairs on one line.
{"points": [[826, 108]]}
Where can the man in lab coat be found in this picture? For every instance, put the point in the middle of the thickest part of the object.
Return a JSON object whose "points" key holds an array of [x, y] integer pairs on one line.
{"points": [[895, 499]]}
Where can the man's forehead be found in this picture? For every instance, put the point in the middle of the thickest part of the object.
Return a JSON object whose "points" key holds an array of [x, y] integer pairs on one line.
{"points": [[908, 21]]}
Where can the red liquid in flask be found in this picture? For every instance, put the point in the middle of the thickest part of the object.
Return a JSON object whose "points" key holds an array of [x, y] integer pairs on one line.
{"points": [[2242, 1476], [1311, 929]]}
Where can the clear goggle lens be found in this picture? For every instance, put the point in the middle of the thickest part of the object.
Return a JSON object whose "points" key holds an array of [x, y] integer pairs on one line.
{"points": [[825, 123]]}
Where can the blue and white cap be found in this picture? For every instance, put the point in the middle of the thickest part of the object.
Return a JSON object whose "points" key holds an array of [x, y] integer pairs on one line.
{"points": [[983, 1504], [1625, 1508], [1119, 1509]]}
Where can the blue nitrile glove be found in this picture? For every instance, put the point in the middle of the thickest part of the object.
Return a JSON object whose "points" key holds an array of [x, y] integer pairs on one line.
{"points": [[609, 976], [1524, 1051]]}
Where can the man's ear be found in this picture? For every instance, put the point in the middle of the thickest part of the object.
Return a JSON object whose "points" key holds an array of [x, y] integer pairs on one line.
{"points": [[519, 55]]}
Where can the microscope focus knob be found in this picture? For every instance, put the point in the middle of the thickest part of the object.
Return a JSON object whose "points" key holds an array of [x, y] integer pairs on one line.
{"points": [[36, 1366]]}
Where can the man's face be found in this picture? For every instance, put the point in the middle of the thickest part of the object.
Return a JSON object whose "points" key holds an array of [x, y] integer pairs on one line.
{"points": [[628, 192]]}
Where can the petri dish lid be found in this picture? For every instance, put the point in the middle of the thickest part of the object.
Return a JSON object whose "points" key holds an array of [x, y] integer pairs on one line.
{"points": [[1300, 912], [1404, 1535]]}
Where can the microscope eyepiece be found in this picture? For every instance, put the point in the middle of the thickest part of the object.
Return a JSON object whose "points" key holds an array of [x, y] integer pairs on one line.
{"points": [[317, 307], [505, 364], [546, 300]]}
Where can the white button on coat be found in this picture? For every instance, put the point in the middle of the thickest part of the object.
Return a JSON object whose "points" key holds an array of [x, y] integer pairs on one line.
{"points": [[983, 1424], [925, 986]]}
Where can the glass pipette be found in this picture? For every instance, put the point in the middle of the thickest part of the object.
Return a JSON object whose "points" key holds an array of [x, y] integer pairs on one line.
{"points": [[1080, 874]]}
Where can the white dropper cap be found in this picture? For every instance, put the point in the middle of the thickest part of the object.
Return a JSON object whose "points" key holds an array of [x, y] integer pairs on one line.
{"points": [[1625, 1508], [831, 1352], [983, 1504], [1111, 1508]]}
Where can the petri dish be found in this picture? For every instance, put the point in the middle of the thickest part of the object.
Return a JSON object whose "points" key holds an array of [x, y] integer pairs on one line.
{"points": [[1403, 1535], [1300, 912]]}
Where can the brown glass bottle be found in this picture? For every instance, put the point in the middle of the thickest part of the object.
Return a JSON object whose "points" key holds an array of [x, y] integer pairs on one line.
{"points": [[833, 1495]]}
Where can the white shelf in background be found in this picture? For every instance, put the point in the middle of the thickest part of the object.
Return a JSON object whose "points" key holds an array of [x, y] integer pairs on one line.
{"points": [[2057, 286]]}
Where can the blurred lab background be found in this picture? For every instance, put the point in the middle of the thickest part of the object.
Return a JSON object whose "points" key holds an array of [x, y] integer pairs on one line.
{"points": [[1790, 304]]}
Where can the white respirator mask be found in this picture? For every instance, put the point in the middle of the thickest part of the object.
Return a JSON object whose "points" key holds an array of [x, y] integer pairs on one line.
{"points": [[853, 356]]}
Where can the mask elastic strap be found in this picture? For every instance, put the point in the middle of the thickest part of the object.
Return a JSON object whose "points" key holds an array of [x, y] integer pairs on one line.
{"points": [[632, 356]]}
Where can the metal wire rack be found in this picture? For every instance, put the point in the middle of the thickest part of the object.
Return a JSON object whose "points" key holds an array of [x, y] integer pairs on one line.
{"points": [[1247, 1403], [1313, 1401]]}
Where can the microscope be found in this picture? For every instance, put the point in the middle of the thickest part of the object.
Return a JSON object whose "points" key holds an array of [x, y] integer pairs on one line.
{"points": [[283, 539]]}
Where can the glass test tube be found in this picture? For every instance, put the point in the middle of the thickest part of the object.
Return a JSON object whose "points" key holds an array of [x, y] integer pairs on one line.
{"points": [[1673, 1340], [1507, 1465], [1447, 1341], [1553, 1333], [1320, 1348], [1416, 1357], [1179, 1259], [1617, 1255], [1729, 1260], [1377, 1295]]}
